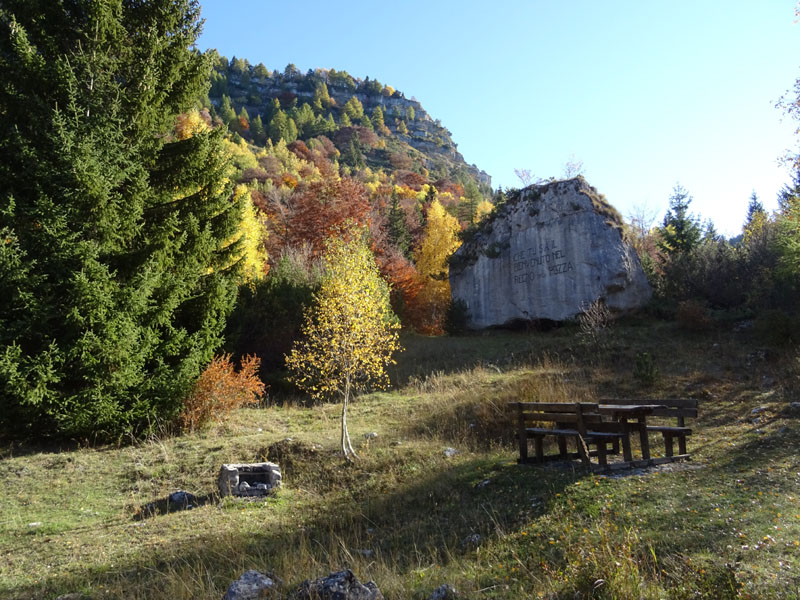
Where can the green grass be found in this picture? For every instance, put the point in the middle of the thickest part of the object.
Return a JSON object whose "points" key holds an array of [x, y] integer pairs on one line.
{"points": [[725, 525]]}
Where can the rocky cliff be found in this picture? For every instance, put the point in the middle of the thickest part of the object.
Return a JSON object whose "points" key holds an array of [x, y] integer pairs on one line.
{"points": [[424, 134]]}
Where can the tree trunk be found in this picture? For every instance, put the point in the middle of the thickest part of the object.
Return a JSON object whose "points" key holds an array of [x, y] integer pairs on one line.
{"points": [[347, 447]]}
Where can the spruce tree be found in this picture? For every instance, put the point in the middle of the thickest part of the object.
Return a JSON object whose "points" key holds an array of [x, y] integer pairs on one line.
{"points": [[114, 284], [399, 235], [681, 231]]}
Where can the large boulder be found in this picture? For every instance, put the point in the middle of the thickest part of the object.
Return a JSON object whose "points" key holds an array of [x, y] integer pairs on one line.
{"points": [[547, 253]]}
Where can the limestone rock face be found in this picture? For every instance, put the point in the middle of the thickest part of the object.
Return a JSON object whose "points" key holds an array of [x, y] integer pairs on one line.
{"points": [[546, 254]]}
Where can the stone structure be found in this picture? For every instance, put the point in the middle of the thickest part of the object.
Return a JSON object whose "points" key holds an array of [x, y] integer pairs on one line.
{"points": [[547, 253], [256, 479]]}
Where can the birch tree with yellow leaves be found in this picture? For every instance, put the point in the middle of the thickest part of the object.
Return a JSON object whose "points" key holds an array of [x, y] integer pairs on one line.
{"points": [[350, 331]]}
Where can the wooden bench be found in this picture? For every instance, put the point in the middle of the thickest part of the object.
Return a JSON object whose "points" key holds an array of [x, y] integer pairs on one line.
{"points": [[672, 408], [579, 420]]}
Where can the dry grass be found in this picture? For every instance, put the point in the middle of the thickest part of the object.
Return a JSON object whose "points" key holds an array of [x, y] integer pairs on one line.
{"points": [[76, 520]]}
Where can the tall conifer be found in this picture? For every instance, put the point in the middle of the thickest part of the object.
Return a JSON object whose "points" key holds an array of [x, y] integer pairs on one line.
{"points": [[115, 278]]}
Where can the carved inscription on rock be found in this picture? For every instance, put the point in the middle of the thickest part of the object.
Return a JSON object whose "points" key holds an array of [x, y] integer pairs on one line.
{"points": [[537, 262]]}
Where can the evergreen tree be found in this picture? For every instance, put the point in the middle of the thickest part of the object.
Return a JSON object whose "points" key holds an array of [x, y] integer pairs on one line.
{"points": [[399, 235], [352, 155], [113, 279], [754, 208], [279, 127], [226, 112], [354, 109], [291, 131], [377, 118], [257, 127], [322, 99], [756, 221], [681, 230], [789, 194]]}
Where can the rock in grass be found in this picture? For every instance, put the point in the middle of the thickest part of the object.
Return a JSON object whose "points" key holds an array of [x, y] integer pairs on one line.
{"points": [[343, 585], [251, 586], [444, 592], [181, 500]]}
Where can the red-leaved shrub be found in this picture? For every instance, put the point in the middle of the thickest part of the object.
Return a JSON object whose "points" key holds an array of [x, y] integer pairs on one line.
{"points": [[220, 390]]}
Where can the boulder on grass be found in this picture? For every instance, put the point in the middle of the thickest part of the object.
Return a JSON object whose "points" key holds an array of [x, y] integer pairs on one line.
{"points": [[343, 585]]}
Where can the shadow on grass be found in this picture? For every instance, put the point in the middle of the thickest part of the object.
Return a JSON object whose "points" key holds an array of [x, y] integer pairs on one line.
{"points": [[425, 520]]}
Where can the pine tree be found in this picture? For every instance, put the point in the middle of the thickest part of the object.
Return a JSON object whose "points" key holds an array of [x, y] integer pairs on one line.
{"points": [[257, 127], [322, 99], [115, 273], [399, 235], [279, 127], [226, 111], [755, 222], [681, 230], [377, 118]]}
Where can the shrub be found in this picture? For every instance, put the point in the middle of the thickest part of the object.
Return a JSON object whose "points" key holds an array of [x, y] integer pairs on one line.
{"points": [[595, 323], [220, 390], [455, 321], [644, 369], [777, 328], [693, 316]]}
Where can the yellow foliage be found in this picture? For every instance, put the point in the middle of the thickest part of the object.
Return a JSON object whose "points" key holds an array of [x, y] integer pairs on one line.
{"points": [[190, 123], [403, 191], [755, 228], [350, 333], [483, 209], [250, 237], [241, 155], [439, 242]]}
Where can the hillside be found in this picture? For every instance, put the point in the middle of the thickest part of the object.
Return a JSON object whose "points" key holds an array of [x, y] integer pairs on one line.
{"points": [[393, 132], [94, 522]]}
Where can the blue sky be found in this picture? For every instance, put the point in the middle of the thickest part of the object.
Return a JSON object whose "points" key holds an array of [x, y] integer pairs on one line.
{"points": [[645, 94]]}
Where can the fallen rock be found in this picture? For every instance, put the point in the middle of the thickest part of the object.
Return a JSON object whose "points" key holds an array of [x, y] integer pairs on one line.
{"points": [[343, 585], [181, 500], [444, 592], [473, 540], [251, 586], [547, 253]]}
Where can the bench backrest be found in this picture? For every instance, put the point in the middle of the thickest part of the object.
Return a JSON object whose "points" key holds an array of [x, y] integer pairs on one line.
{"points": [[575, 414], [679, 408]]}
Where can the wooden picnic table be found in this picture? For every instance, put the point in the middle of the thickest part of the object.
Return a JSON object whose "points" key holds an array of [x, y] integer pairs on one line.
{"points": [[622, 413]]}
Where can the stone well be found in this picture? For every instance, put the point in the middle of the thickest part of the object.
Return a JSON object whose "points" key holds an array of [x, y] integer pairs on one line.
{"points": [[249, 480]]}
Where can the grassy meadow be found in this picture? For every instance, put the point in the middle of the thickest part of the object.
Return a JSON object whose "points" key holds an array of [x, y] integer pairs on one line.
{"points": [[92, 521]]}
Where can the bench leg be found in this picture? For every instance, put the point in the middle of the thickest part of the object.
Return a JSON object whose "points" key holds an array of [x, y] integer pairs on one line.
{"points": [[562, 446], [539, 444], [668, 444], [601, 453], [682, 444], [523, 447], [627, 455]]}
